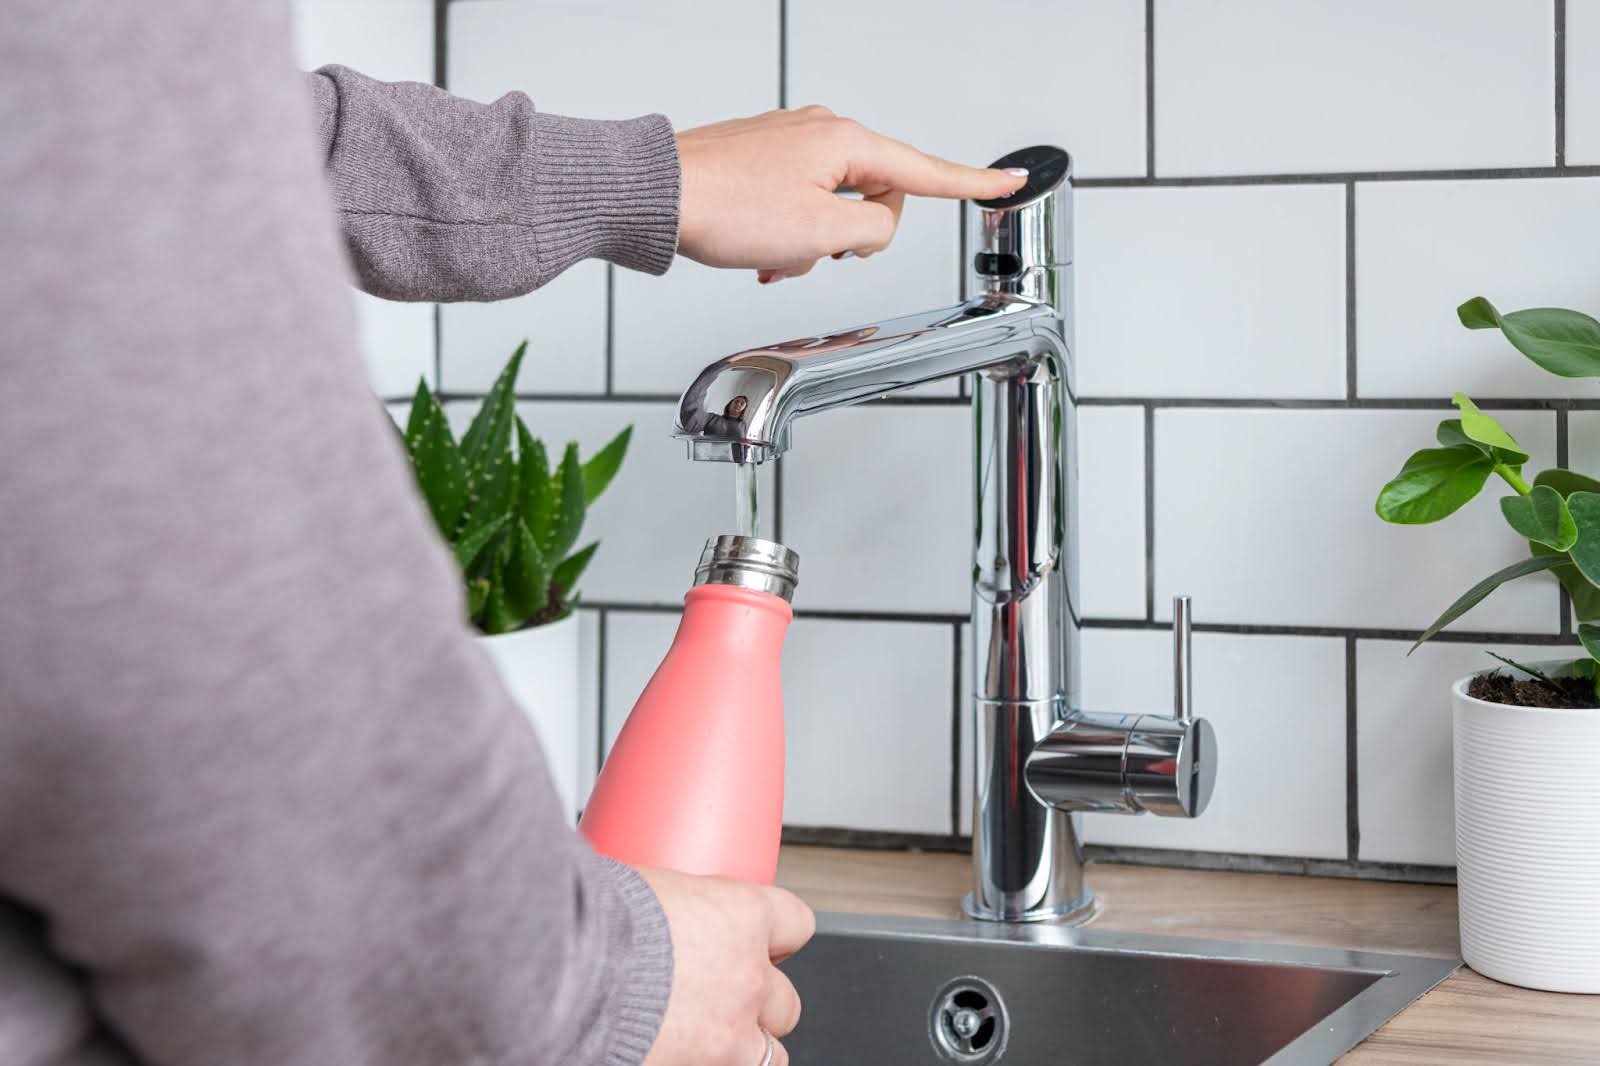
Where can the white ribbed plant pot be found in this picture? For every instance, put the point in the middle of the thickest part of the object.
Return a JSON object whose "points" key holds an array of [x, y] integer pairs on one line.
{"points": [[539, 668], [1527, 787]]}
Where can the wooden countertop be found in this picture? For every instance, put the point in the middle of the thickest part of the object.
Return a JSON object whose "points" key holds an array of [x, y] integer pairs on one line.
{"points": [[1468, 1019]]}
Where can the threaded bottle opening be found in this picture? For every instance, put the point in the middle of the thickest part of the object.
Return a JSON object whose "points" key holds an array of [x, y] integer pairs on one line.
{"points": [[749, 562]]}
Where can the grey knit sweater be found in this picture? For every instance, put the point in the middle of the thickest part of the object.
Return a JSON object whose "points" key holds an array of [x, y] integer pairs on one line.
{"points": [[262, 801]]}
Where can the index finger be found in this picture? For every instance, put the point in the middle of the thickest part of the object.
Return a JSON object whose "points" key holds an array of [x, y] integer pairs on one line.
{"points": [[790, 923], [877, 160]]}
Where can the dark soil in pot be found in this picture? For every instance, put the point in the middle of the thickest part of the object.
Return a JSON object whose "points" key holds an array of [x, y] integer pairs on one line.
{"points": [[1559, 692]]}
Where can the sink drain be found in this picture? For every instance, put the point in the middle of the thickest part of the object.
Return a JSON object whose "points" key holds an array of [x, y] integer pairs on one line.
{"points": [[967, 1023]]}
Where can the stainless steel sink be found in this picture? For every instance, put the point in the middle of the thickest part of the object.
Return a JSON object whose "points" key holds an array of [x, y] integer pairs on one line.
{"points": [[907, 992]]}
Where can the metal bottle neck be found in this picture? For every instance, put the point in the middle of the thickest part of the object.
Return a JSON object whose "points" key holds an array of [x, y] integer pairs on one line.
{"points": [[751, 563]]}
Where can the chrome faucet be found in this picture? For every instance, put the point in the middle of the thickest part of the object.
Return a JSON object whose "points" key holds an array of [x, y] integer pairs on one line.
{"points": [[1038, 757]]}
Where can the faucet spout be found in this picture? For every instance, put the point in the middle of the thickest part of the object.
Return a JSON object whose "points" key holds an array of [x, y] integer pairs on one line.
{"points": [[740, 408]]}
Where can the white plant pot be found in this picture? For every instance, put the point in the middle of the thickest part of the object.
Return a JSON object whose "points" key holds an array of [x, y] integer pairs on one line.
{"points": [[539, 668], [1527, 786]]}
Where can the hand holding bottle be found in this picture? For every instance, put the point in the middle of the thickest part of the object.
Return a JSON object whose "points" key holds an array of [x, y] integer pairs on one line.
{"points": [[727, 992]]}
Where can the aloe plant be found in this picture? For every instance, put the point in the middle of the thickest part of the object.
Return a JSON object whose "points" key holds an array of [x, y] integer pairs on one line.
{"points": [[511, 520], [1558, 512]]}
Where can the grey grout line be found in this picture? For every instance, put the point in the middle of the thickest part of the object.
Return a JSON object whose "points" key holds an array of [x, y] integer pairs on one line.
{"points": [[1563, 459], [1149, 513], [1351, 393], [441, 77], [957, 706], [1149, 88], [611, 331], [600, 693], [1340, 177], [1561, 82], [783, 53], [1396, 403], [816, 614], [1253, 629], [1352, 787]]}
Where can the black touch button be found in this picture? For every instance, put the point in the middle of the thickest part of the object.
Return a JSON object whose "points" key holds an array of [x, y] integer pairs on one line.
{"points": [[1047, 167]]}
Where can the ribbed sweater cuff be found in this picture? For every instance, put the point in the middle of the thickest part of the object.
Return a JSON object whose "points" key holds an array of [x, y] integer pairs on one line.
{"points": [[639, 996], [606, 190]]}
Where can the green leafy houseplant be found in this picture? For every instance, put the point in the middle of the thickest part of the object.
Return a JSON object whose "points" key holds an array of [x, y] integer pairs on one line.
{"points": [[1558, 512], [511, 520]]}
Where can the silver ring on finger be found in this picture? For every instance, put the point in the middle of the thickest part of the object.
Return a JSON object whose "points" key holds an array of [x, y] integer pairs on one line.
{"points": [[772, 1048]]}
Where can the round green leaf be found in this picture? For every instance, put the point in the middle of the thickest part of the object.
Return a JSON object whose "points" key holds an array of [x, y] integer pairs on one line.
{"points": [[1435, 482], [1541, 516], [1585, 551], [1564, 342], [1484, 429]]}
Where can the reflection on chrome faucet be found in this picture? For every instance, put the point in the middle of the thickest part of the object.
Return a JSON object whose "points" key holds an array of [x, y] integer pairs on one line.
{"points": [[1039, 756]]}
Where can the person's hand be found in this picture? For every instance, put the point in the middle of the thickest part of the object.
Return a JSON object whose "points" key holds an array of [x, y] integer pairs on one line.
{"points": [[726, 938], [759, 192]]}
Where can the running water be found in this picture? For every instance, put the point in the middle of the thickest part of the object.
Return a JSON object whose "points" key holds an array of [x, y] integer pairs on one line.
{"points": [[746, 505]]}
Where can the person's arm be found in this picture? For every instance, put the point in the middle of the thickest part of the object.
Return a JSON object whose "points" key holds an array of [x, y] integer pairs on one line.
{"points": [[270, 802], [444, 198]]}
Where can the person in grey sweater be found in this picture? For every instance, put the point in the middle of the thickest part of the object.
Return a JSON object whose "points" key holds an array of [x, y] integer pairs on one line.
{"points": [[262, 801]]}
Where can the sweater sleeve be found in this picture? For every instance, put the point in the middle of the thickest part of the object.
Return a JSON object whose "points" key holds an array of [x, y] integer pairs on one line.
{"points": [[443, 198], [266, 796]]}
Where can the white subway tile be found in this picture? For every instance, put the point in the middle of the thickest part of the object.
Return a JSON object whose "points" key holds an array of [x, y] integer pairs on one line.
{"points": [[636, 642], [1422, 248], [399, 412], [917, 74], [669, 328], [1583, 442], [1403, 731], [868, 707], [718, 61], [565, 326], [648, 47], [1111, 511], [1266, 87], [391, 40], [657, 514], [877, 501], [1214, 292], [1266, 516], [397, 342], [1583, 81], [867, 712], [1278, 706]]}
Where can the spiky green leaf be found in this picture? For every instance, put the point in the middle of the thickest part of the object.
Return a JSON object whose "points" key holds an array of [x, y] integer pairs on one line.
{"points": [[535, 488], [1475, 595], [570, 507], [602, 466], [496, 410], [497, 614], [566, 575], [527, 575], [435, 460], [470, 547], [1563, 342], [477, 594]]}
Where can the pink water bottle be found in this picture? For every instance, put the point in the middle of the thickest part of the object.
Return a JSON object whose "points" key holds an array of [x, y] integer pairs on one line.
{"points": [[695, 780]]}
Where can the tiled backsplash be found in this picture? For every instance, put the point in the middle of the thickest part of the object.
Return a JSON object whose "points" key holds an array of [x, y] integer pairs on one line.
{"points": [[1269, 251]]}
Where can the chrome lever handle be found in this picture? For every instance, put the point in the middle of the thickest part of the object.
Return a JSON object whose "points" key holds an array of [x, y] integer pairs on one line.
{"points": [[1182, 659]]}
